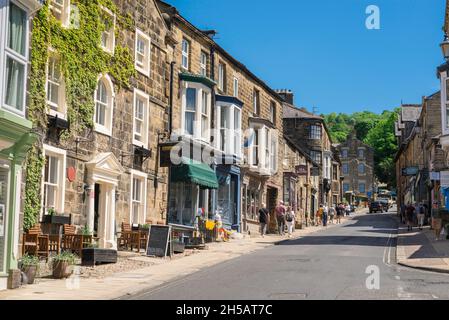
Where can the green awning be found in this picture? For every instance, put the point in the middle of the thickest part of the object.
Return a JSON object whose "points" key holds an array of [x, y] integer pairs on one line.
{"points": [[195, 172]]}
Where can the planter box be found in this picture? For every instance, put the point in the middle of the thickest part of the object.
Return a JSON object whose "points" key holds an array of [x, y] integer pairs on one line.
{"points": [[55, 219], [93, 256], [30, 272], [178, 247], [62, 269]]}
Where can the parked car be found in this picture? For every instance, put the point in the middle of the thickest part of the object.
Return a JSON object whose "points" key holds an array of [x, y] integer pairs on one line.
{"points": [[376, 206]]}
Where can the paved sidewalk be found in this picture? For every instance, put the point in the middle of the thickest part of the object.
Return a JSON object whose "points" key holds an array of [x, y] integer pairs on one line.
{"points": [[419, 249], [163, 271]]}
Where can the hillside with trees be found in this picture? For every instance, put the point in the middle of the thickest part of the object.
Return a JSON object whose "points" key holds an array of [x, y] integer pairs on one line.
{"points": [[376, 130]]}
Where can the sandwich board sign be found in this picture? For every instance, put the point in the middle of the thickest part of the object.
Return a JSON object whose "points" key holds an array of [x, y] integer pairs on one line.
{"points": [[159, 241]]}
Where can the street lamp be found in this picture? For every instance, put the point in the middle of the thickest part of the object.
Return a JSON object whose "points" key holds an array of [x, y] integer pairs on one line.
{"points": [[445, 47]]}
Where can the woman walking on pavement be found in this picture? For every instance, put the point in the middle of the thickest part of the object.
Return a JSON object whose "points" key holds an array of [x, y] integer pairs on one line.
{"points": [[290, 219], [339, 213], [331, 215], [325, 215], [410, 213]]}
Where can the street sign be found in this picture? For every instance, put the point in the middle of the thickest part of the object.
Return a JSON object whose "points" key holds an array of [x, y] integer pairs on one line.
{"points": [[410, 171], [444, 179]]}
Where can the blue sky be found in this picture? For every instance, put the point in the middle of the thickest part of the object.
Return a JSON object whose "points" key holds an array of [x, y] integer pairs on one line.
{"points": [[322, 50]]}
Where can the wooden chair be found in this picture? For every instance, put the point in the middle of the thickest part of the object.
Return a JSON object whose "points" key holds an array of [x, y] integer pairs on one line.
{"points": [[143, 239], [77, 245], [34, 243], [69, 229], [125, 235], [54, 243]]}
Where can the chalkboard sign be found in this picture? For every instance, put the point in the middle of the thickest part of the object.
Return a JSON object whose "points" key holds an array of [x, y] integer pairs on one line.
{"points": [[158, 241]]}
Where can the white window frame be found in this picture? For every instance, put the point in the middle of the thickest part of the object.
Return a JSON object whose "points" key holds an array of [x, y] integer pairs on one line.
{"points": [[203, 64], [236, 87], [274, 147], [185, 55], [313, 133], [272, 112], [110, 46], [15, 56], [233, 134], [264, 165], [221, 76], [256, 101], [61, 107], [107, 128], [143, 177], [197, 126], [64, 12], [145, 122], [145, 67], [62, 156]]}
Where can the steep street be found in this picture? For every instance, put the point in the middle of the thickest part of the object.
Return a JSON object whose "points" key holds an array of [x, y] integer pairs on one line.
{"points": [[329, 264]]}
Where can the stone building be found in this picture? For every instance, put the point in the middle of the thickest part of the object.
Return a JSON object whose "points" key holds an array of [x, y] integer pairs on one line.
{"points": [[420, 158], [222, 109], [16, 136], [311, 134], [300, 185], [109, 173], [357, 169]]}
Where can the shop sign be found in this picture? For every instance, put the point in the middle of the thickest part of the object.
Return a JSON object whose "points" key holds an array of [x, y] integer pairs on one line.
{"points": [[435, 176], [444, 179], [315, 172], [410, 171], [301, 170]]}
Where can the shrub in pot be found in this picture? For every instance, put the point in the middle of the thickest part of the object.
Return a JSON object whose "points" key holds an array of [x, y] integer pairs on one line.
{"points": [[30, 266], [62, 265]]}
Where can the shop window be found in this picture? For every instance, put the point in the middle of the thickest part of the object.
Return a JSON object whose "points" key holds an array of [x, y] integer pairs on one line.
{"points": [[55, 86], [141, 112], [142, 54], [104, 96], [54, 179], [138, 197], [183, 204]]}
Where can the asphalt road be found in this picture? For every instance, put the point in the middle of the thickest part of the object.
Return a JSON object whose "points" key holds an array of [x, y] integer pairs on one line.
{"points": [[329, 264]]}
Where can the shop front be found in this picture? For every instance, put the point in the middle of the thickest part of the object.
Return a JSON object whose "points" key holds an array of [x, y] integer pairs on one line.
{"points": [[190, 196], [228, 196], [15, 141]]}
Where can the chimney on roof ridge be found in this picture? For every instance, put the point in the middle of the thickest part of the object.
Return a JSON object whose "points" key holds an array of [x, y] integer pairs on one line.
{"points": [[287, 95]]}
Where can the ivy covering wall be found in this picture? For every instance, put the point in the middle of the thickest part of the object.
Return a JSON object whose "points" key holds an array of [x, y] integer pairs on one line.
{"points": [[82, 62]]}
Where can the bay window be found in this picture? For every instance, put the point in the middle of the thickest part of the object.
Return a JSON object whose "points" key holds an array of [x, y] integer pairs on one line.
{"points": [[138, 197], [196, 101], [264, 149], [316, 156], [53, 179], [315, 132], [141, 112], [16, 59], [143, 52], [104, 96], [55, 86], [230, 129]]}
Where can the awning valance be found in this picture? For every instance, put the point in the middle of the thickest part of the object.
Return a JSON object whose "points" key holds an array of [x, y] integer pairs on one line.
{"points": [[195, 172]]}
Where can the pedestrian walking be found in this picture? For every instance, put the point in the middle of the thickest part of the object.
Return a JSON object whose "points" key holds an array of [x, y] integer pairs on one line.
{"points": [[410, 212], [403, 218], [290, 219], [264, 219], [319, 215], [280, 216], [331, 215], [347, 209], [421, 216], [325, 215], [340, 211]]}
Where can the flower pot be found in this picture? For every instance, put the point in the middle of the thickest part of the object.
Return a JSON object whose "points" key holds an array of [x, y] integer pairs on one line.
{"points": [[30, 272], [62, 269]]}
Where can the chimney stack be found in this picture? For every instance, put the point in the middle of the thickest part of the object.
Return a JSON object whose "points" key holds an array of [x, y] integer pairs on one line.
{"points": [[287, 95]]}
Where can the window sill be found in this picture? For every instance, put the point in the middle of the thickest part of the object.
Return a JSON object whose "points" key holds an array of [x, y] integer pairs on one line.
{"points": [[143, 71], [138, 143], [58, 114], [103, 130]]}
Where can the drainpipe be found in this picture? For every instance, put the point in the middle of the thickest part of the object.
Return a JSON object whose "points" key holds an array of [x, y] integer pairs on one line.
{"points": [[170, 129]]}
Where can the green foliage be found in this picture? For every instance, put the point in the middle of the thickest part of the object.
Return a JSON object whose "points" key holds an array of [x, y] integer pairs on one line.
{"points": [[65, 256], [29, 260], [85, 231], [32, 203], [82, 62], [376, 130]]}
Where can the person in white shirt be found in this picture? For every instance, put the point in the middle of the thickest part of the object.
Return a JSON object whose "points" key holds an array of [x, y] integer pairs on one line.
{"points": [[290, 219]]}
